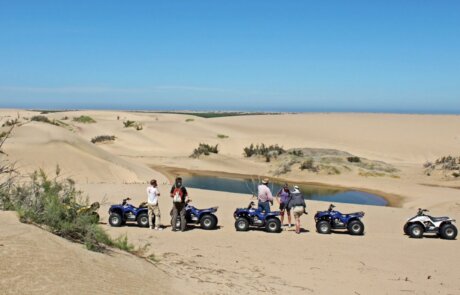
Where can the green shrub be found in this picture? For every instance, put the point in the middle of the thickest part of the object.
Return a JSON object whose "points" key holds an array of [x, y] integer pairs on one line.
{"points": [[353, 159], [55, 205], [268, 152], [103, 138], [189, 120], [10, 123], [138, 126], [297, 153], [222, 136], [84, 119], [44, 119], [204, 149], [309, 165], [122, 243]]}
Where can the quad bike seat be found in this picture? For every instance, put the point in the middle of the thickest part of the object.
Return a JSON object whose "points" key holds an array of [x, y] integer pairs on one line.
{"points": [[437, 219]]}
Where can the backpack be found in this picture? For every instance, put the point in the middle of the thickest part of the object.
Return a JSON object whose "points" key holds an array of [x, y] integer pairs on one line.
{"points": [[177, 195]]}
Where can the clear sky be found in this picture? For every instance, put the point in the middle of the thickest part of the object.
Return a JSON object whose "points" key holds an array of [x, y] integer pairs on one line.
{"points": [[392, 56]]}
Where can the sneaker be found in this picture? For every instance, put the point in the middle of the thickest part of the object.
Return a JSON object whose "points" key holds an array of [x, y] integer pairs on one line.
{"points": [[290, 225], [151, 227], [173, 229], [158, 228]]}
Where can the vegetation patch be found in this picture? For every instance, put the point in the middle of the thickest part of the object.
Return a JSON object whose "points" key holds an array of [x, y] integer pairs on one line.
{"points": [[222, 136], [103, 138], [10, 123], [133, 124], [205, 149], [208, 115], [447, 166], [54, 204], [84, 119], [189, 120], [266, 151]]}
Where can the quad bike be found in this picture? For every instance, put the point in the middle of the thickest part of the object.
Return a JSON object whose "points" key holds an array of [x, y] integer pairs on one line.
{"points": [[204, 217], [330, 219], [421, 223], [90, 210], [125, 212], [251, 217]]}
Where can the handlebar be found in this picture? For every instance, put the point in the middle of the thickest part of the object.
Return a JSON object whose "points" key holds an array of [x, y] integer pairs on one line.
{"points": [[421, 211], [250, 205], [331, 207]]}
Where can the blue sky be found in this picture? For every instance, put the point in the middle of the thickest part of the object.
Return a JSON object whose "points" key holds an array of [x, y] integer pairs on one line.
{"points": [[392, 56]]}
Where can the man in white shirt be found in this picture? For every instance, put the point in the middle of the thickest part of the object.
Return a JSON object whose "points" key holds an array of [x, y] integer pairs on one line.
{"points": [[152, 203]]}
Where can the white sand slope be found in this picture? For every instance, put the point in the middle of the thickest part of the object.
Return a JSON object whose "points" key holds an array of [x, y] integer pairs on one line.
{"points": [[36, 262]]}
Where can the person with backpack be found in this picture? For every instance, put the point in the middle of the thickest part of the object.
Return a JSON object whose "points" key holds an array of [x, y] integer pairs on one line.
{"points": [[284, 195], [298, 206], [152, 204], [180, 197]]}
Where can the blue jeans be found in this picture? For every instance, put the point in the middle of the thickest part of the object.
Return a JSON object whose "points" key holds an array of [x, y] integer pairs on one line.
{"points": [[264, 206]]}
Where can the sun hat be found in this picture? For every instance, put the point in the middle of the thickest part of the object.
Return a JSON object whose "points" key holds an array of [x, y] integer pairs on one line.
{"points": [[265, 181], [296, 187]]}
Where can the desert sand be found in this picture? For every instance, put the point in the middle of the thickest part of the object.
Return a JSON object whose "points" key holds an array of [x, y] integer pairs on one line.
{"points": [[224, 261]]}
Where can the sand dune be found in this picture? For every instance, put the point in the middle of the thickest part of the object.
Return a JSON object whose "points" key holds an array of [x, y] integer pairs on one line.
{"points": [[223, 261]]}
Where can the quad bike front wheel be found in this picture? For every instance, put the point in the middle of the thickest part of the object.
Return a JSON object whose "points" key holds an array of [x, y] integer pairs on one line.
{"points": [[115, 219], [242, 224], [355, 227], [323, 227], [406, 229], [143, 220], [208, 222], [448, 232], [273, 225], [416, 231]]}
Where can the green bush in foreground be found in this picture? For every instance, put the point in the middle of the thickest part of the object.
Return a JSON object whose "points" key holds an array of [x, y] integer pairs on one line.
{"points": [[53, 205], [84, 119]]}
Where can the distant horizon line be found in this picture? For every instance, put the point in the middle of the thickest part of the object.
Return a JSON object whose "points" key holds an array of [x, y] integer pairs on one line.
{"points": [[401, 112]]}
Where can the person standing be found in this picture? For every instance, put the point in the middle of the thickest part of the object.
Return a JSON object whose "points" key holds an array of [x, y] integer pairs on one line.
{"points": [[284, 196], [297, 204], [264, 196], [152, 204], [179, 195]]}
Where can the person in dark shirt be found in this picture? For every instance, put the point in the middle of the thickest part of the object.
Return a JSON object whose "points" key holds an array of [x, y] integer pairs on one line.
{"points": [[180, 197]]}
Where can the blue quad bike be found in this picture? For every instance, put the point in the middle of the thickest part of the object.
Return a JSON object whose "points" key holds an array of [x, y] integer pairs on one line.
{"points": [[251, 217], [125, 212], [330, 219], [206, 218]]}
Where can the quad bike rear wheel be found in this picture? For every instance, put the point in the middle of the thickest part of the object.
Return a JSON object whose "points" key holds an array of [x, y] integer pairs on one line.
{"points": [[323, 227], [208, 222], [273, 225], [143, 220], [448, 232], [115, 219], [242, 224], [416, 231], [355, 227]]}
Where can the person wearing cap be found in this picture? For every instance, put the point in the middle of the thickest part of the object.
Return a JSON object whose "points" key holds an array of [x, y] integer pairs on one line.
{"points": [[297, 204], [152, 204], [180, 196], [284, 195], [264, 196]]}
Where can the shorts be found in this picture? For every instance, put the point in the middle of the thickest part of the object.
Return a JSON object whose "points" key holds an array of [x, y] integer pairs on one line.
{"points": [[298, 211], [283, 206]]}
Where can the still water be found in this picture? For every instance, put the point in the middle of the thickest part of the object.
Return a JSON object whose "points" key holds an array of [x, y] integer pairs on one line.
{"points": [[310, 192]]}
